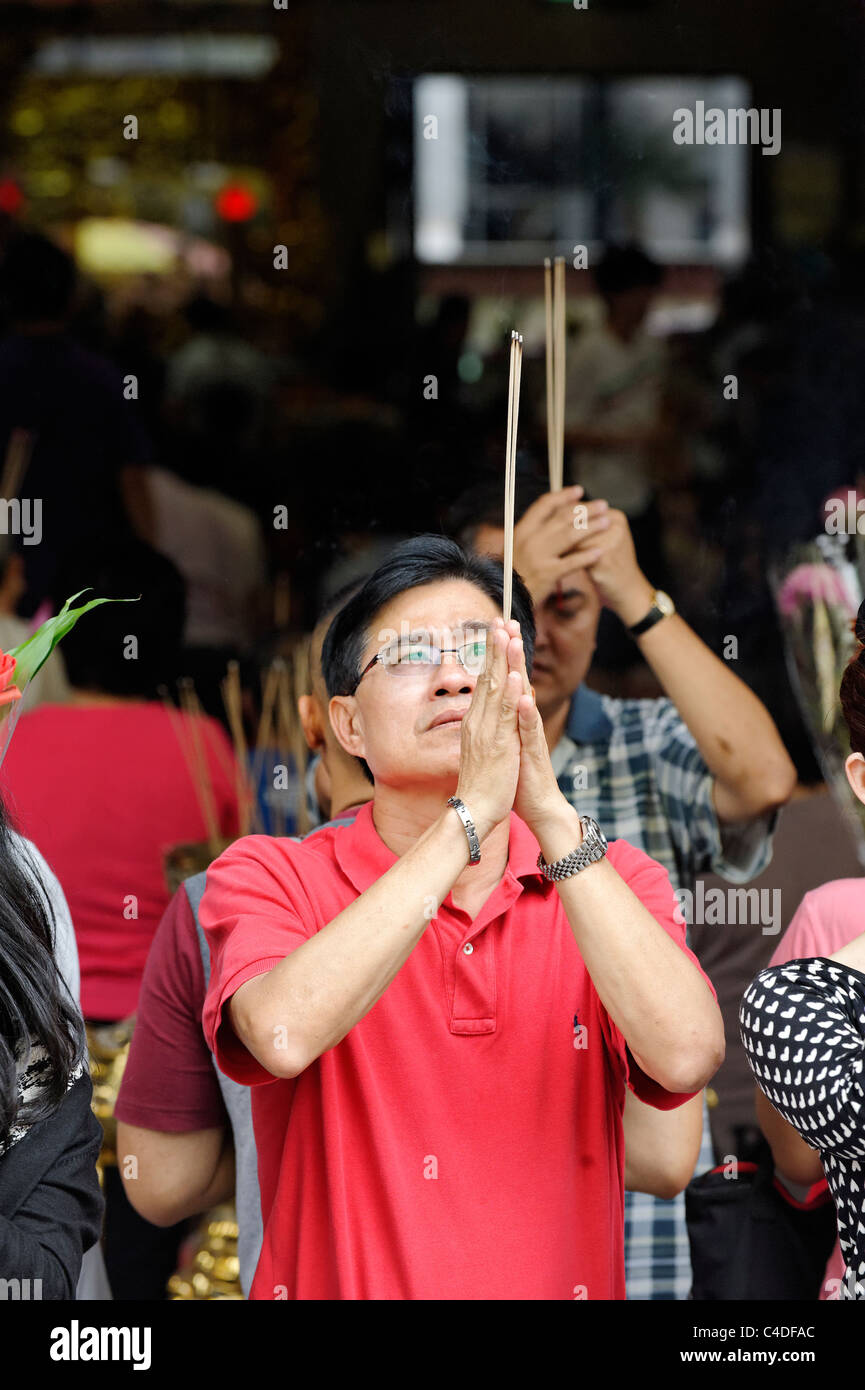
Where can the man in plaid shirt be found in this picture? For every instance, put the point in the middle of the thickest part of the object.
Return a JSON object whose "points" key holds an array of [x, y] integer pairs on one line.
{"points": [[694, 778]]}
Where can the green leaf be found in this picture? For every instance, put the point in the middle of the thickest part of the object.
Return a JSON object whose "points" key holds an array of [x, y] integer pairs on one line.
{"points": [[31, 655]]}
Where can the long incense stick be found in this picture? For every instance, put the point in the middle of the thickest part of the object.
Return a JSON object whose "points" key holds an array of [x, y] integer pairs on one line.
{"points": [[557, 479], [511, 466], [551, 406]]}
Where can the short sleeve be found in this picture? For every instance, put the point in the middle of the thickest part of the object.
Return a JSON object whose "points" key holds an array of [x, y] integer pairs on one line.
{"points": [[801, 939], [702, 844], [168, 1040], [255, 913], [650, 882]]}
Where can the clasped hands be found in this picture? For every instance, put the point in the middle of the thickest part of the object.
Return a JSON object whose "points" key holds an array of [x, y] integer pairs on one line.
{"points": [[504, 760]]}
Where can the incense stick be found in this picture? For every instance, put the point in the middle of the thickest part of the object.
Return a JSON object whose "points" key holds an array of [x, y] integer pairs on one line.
{"points": [[511, 467], [559, 373], [551, 408]]}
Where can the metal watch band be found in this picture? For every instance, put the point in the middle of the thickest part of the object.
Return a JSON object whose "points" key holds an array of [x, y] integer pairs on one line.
{"points": [[593, 848], [474, 843]]}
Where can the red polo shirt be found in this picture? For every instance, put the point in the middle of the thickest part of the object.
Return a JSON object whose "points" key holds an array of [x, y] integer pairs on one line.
{"points": [[464, 1140]]}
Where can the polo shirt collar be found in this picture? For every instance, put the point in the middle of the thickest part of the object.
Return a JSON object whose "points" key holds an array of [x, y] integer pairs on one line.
{"points": [[363, 855], [587, 721]]}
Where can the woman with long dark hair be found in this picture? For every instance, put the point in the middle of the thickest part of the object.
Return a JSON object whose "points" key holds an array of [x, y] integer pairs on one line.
{"points": [[50, 1202], [802, 1022]]}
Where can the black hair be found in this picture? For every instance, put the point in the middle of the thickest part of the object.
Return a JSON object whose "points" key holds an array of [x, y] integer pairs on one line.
{"points": [[37, 280], [482, 505], [852, 692], [36, 1008], [626, 268], [421, 560], [95, 652]]}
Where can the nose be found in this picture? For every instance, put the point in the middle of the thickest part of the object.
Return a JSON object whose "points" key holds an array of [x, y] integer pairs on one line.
{"points": [[540, 630], [452, 678]]}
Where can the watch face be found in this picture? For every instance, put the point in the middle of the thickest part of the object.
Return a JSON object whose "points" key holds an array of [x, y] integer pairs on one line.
{"points": [[594, 832], [664, 602]]}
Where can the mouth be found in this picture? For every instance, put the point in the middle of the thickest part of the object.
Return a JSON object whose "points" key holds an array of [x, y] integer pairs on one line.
{"points": [[448, 718]]}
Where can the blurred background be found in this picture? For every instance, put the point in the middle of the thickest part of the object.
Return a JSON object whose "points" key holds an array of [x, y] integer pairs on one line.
{"points": [[288, 247]]}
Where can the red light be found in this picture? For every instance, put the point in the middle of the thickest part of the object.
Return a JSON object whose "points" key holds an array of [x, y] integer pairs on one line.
{"points": [[11, 197], [234, 203]]}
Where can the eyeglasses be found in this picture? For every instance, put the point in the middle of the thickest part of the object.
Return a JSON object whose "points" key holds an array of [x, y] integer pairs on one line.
{"points": [[402, 658]]}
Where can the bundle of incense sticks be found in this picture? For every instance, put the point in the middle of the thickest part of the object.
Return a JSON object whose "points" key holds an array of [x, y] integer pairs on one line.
{"points": [[232, 699], [280, 731], [516, 366], [554, 303], [189, 727]]}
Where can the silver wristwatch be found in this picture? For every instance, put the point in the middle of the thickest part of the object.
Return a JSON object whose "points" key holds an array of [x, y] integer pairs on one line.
{"points": [[593, 848]]}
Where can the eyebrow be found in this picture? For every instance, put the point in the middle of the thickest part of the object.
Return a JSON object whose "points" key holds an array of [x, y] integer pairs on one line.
{"points": [[568, 595], [479, 626]]}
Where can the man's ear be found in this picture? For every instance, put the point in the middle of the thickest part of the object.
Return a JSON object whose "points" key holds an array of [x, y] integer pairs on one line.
{"points": [[346, 722], [311, 721], [855, 769]]}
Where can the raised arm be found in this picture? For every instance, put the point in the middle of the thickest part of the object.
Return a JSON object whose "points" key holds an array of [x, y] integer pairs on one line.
{"points": [[732, 728]]}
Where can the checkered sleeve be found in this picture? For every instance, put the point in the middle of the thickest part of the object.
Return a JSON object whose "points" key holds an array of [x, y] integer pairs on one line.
{"points": [[736, 852]]}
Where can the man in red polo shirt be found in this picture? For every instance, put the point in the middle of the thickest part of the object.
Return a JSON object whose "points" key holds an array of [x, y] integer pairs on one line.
{"points": [[439, 1008]]}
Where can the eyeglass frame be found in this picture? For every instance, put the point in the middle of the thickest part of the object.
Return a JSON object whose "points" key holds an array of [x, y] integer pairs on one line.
{"points": [[442, 651]]}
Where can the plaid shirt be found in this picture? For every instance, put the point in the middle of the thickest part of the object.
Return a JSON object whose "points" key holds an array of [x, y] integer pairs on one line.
{"points": [[635, 767]]}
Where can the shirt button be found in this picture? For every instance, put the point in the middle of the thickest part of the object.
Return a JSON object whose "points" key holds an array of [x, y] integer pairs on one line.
{"points": [[468, 948]]}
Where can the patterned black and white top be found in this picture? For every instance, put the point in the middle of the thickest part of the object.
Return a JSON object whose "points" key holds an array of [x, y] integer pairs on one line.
{"points": [[803, 1028]]}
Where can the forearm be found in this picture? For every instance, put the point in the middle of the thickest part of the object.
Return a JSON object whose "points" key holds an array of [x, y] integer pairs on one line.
{"points": [[661, 1146], [794, 1159], [308, 1002], [651, 990], [175, 1175], [732, 728]]}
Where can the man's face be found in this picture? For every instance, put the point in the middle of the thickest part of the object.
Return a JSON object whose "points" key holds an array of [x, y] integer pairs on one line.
{"points": [[406, 722], [566, 626]]}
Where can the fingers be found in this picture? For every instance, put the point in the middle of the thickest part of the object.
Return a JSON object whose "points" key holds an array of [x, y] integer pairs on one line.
{"points": [[546, 507], [517, 655], [572, 531], [493, 675]]}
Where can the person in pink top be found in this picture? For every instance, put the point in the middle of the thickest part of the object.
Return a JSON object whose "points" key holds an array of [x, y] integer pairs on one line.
{"points": [[827, 918], [101, 785]]}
